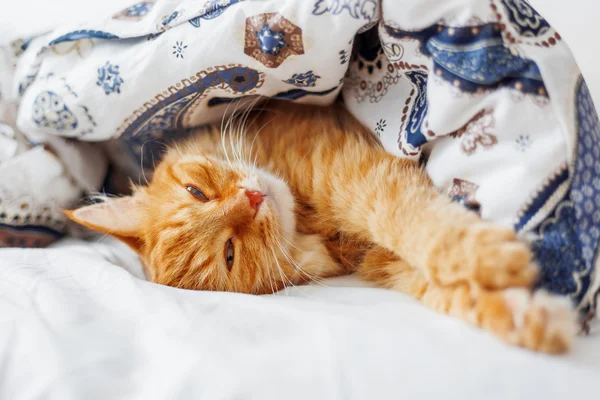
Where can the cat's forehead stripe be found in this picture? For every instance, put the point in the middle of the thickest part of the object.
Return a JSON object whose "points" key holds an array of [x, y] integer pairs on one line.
{"points": [[212, 176]]}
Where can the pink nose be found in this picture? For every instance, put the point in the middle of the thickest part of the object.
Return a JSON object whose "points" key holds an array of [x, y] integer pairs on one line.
{"points": [[256, 198]]}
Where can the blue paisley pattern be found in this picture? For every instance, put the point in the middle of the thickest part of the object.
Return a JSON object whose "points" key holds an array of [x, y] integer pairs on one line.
{"points": [[307, 79], [568, 241], [136, 11], [170, 18], [296, 94], [290, 95], [109, 78], [415, 136], [195, 22], [542, 196], [83, 34], [27, 81], [270, 38], [358, 9], [214, 9], [558, 252], [271, 42], [525, 19], [585, 187], [50, 111], [164, 120], [475, 59]]}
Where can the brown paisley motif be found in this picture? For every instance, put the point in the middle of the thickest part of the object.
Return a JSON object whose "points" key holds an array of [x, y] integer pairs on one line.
{"points": [[477, 133], [463, 192]]}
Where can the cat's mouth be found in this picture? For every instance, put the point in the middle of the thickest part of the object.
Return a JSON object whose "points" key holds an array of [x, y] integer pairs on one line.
{"points": [[263, 185], [269, 200], [279, 200]]}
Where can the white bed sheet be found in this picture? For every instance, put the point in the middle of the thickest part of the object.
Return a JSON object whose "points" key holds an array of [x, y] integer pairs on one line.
{"points": [[77, 325]]}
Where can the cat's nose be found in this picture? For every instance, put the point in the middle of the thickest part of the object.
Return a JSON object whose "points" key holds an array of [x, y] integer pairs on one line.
{"points": [[256, 198]]}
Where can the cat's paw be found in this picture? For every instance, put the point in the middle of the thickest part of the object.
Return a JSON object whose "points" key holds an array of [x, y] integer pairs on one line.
{"points": [[540, 322], [498, 259]]}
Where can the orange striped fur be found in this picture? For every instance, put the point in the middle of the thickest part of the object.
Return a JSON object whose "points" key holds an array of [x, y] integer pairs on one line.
{"points": [[335, 203]]}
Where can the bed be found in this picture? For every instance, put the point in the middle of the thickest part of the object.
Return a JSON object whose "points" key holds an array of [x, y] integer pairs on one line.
{"points": [[79, 321]]}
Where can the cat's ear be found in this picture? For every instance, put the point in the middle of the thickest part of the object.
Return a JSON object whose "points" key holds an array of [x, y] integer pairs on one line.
{"points": [[117, 217]]}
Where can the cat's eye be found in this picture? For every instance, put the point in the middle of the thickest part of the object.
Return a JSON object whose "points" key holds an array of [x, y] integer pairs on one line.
{"points": [[229, 254], [197, 193]]}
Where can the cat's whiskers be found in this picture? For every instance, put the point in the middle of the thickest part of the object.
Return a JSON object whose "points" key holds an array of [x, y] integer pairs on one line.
{"points": [[257, 114], [241, 149], [223, 132], [298, 268], [300, 271], [237, 131], [255, 136], [294, 265], [227, 132], [234, 130], [290, 259], [269, 274], [281, 273], [231, 133], [241, 118], [142, 161], [315, 278], [102, 237], [242, 125], [225, 153]]}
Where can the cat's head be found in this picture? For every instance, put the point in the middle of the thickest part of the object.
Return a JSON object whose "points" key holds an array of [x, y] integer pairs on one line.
{"points": [[204, 223]]}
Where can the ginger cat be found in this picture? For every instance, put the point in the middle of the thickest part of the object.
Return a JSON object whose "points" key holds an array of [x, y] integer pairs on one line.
{"points": [[307, 193]]}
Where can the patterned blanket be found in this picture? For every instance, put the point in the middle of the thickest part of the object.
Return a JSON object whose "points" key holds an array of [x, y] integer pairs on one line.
{"points": [[484, 90]]}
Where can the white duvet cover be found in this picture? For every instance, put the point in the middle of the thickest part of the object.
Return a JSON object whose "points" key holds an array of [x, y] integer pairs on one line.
{"points": [[80, 322]]}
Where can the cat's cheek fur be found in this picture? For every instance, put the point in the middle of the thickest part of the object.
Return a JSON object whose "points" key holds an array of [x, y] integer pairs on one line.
{"points": [[281, 199], [312, 257]]}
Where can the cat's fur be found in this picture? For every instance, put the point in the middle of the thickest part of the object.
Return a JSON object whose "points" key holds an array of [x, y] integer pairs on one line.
{"points": [[335, 203]]}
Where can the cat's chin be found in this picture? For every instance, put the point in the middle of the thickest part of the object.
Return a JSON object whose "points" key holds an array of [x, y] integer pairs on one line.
{"points": [[280, 199]]}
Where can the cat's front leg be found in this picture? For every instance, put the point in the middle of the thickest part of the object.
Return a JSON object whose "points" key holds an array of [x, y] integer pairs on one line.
{"points": [[451, 244], [311, 261], [392, 203], [464, 248], [538, 321]]}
